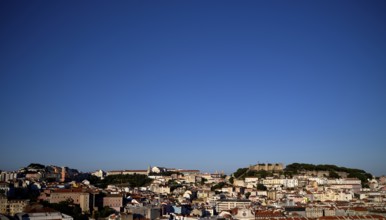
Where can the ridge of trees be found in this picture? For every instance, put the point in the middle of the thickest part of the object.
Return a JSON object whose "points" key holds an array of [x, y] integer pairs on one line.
{"points": [[297, 168], [242, 173], [36, 166], [320, 167], [134, 180]]}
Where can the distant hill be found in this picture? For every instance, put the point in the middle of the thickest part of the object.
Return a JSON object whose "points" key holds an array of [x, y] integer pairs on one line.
{"points": [[333, 171], [36, 166], [298, 168], [294, 167]]}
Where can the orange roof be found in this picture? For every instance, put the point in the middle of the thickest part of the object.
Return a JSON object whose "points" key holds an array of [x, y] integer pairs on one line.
{"points": [[359, 209]]}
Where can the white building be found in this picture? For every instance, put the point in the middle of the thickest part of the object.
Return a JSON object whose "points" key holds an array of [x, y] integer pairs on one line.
{"points": [[227, 204], [290, 183], [347, 181], [8, 176], [251, 182], [319, 180], [99, 173], [270, 182], [239, 183], [160, 189]]}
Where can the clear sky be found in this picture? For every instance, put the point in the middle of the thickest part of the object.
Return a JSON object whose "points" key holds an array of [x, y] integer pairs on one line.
{"points": [[209, 85]]}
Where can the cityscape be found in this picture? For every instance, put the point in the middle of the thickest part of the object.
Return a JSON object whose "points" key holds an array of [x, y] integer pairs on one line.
{"points": [[193, 109], [297, 191]]}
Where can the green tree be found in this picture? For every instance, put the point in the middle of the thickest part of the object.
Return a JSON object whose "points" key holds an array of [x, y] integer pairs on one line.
{"points": [[240, 172], [135, 180], [36, 166], [333, 174], [261, 187], [218, 186], [105, 212], [173, 185], [231, 180]]}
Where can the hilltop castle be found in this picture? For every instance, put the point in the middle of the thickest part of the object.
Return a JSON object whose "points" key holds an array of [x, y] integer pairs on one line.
{"points": [[272, 167]]}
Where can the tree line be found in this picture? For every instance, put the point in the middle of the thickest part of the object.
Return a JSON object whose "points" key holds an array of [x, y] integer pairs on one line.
{"points": [[132, 180]]}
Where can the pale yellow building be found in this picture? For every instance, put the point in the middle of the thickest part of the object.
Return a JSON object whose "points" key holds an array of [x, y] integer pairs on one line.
{"points": [[11, 207]]}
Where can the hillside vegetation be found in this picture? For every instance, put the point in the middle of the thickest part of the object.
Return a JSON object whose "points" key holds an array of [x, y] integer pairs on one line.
{"points": [[298, 168], [134, 180], [246, 172]]}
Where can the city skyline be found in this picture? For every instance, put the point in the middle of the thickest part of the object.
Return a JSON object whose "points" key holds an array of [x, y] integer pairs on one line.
{"points": [[193, 84], [207, 169], [270, 167]]}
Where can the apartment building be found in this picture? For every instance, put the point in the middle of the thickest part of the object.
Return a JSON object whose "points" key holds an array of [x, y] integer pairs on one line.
{"points": [[228, 204], [78, 196], [11, 207], [126, 172], [113, 201]]}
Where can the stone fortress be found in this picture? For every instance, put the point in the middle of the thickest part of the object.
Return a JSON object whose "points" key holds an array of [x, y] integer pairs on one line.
{"points": [[271, 167]]}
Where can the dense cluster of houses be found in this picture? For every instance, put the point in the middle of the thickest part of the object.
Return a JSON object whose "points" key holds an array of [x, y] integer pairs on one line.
{"points": [[184, 194]]}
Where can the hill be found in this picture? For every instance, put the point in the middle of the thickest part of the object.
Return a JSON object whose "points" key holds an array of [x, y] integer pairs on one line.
{"points": [[332, 171], [298, 168]]}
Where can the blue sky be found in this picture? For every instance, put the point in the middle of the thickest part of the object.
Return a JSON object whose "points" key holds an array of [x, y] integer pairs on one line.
{"points": [[209, 85]]}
